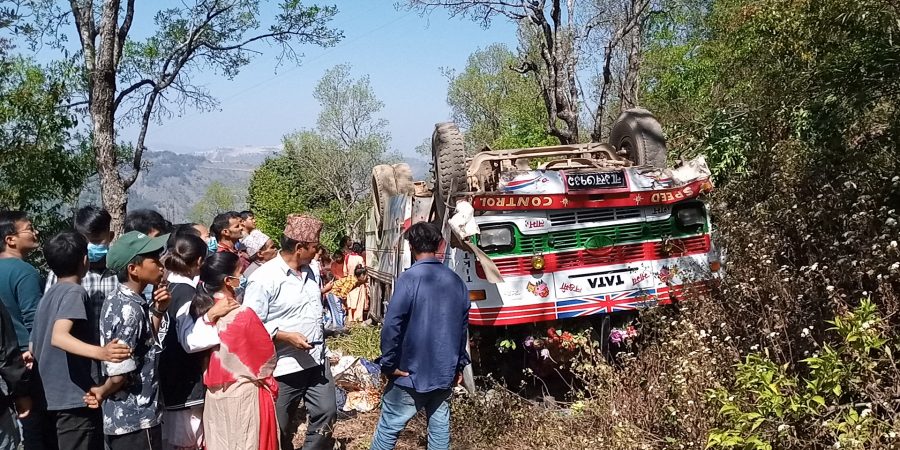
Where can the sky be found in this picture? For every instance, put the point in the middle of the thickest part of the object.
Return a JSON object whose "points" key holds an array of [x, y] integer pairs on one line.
{"points": [[401, 51]]}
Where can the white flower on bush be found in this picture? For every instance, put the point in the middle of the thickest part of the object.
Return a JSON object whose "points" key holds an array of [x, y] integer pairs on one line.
{"points": [[783, 427], [804, 332], [829, 288]]}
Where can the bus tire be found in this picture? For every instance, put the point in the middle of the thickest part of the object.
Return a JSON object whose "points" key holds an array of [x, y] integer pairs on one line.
{"points": [[384, 186], [449, 158], [640, 136]]}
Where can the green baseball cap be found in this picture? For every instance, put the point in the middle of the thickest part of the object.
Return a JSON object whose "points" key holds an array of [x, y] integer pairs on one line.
{"points": [[131, 244]]}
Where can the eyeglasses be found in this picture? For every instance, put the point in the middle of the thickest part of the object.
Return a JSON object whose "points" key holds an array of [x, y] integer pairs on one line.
{"points": [[27, 230]]}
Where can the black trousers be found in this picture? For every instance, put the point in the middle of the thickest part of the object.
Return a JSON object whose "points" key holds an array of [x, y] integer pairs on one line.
{"points": [[315, 387], [149, 439], [79, 429], [39, 428]]}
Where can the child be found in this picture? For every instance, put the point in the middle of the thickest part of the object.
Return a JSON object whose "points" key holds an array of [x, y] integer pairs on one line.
{"points": [[60, 341], [181, 373], [357, 298], [94, 224], [130, 396]]}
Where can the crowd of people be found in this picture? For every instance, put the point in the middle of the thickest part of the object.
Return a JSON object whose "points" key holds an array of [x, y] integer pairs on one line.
{"points": [[187, 337]]}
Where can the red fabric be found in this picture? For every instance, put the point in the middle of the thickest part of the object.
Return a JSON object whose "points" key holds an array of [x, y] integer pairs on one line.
{"points": [[246, 354], [268, 424], [337, 268], [245, 338]]}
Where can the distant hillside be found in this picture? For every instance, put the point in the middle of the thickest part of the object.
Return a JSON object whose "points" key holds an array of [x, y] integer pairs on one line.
{"points": [[174, 182]]}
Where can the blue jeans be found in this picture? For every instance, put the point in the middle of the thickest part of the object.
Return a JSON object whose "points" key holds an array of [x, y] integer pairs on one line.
{"points": [[400, 404]]}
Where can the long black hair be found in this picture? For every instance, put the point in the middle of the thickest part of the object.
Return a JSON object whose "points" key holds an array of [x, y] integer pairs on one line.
{"points": [[183, 252], [215, 269]]}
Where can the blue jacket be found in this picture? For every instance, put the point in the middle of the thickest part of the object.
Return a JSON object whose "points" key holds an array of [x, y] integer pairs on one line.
{"points": [[425, 327]]}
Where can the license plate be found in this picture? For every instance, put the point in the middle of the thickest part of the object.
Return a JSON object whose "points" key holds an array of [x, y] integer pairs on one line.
{"points": [[595, 180]]}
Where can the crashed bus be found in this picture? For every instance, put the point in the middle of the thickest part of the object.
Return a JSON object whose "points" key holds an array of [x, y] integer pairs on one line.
{"points": [[583, 231]]}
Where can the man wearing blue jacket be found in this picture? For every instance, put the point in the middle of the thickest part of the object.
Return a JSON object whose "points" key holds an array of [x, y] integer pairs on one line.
{"points": [[423, 343]]}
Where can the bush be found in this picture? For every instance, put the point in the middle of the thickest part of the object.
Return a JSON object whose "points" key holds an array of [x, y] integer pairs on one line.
{"points": [[845, 399]]}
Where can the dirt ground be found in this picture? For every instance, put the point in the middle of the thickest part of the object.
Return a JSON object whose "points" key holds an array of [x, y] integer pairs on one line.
{"points": [[356, 433]]}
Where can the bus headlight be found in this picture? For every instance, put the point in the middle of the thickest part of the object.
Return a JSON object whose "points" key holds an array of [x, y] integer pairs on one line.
{"points": [[690, 216], [495, 238]]}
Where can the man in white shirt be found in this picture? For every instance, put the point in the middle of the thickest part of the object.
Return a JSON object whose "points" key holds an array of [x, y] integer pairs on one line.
{"points": [[286, 296]]}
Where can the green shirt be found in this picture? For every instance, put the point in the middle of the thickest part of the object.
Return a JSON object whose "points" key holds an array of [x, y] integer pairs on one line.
{"points": [[20, 291]]}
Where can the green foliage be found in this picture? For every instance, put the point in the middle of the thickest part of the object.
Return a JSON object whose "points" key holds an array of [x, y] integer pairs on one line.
{"points": [[744, 81], [326, 172], [769, 407], [275, 191], [217, 199], [349, 114], [362, 341], [44, 165], [497, 106]]}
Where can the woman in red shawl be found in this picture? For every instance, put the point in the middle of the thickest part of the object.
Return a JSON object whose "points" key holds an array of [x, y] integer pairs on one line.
{"points": [[239, 409]]}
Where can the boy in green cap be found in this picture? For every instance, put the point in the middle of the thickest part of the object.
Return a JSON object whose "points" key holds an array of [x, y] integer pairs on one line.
{"points": [[130, 397]]}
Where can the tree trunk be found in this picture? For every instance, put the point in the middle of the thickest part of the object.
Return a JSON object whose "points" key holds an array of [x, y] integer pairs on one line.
{"points": [[631, 84], [103, 113], [104, 139], [597, 133]]}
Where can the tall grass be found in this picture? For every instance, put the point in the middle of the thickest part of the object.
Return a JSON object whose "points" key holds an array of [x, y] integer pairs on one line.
{"points": [[362, 341]]}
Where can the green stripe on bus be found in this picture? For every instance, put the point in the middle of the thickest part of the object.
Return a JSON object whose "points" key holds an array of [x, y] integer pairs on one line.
{"points": [[595, 237]]}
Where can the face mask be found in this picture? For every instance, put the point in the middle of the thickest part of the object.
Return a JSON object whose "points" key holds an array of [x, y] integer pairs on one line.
{"points": [[212, 244], [97, 252], [239, 289]]}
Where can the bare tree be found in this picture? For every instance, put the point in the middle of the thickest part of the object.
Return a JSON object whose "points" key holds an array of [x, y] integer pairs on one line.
{"points": [[622, 28], [550, 24], [208, 35]]}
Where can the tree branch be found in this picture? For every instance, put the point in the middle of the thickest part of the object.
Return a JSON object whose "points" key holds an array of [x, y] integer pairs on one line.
{"points": [[125, 92], [87, 32], [123, 31], [524, 67], [139, 147], [249, 41], [78, 103], [480, 9]]}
